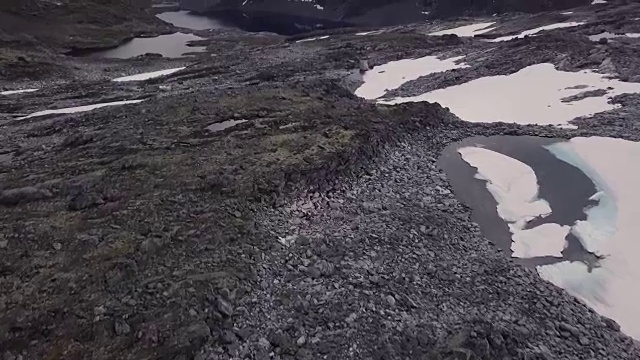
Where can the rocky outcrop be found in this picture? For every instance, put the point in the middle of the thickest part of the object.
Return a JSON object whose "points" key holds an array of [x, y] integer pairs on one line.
{"points": [[459, 7], [34, 33], [74, 23]]}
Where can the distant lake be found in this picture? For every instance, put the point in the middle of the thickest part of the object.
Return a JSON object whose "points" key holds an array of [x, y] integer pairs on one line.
{"points": [[171, 46], [188, 20]]}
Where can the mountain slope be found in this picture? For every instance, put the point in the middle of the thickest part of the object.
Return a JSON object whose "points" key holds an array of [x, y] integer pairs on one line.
{"points": [[281, 15]]}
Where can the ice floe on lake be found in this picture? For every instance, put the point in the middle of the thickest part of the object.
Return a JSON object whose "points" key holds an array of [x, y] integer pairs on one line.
{"points": [[512, 183], [543, 240]]}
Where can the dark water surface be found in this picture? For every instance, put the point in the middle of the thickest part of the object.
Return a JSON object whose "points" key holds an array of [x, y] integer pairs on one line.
{"points": [[566, 188], [171, 45], [275, 22], [188, 20]]}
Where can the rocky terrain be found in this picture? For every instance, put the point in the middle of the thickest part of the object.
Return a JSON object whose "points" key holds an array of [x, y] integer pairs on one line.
{"points": [[35, 35], [319, 226]]}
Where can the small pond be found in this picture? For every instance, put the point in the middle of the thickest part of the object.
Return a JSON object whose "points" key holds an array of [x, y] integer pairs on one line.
{"points": [[566, 207]]}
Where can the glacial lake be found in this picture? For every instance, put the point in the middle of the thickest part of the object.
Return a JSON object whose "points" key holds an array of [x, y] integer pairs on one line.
{"points": [[568, 208]]}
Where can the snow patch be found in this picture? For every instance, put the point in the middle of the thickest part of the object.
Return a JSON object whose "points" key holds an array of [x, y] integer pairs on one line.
{"points": [[610, 231], [313, 39], [393, 74], [215, 127], [538, 29], [78, 109], [467, 30], [530, 96], [512, 183], [608, 35], [148, 75], [374, 32], [13, 92]]}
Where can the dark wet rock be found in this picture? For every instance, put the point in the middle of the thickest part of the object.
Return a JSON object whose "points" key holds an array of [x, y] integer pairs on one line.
{"points": [[225, 307], [584, 95], [324, 267], [244, 334], [608, 67], [314, 272], [228, 337], [390, 300], [23, 195], [461, 354], [190, 339], [78, 139], [153, 244], [148, 335], [280, 339], [370, 207], [121, 327], [569, 328], [612, 324], [83, 201], [102, 329]]}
